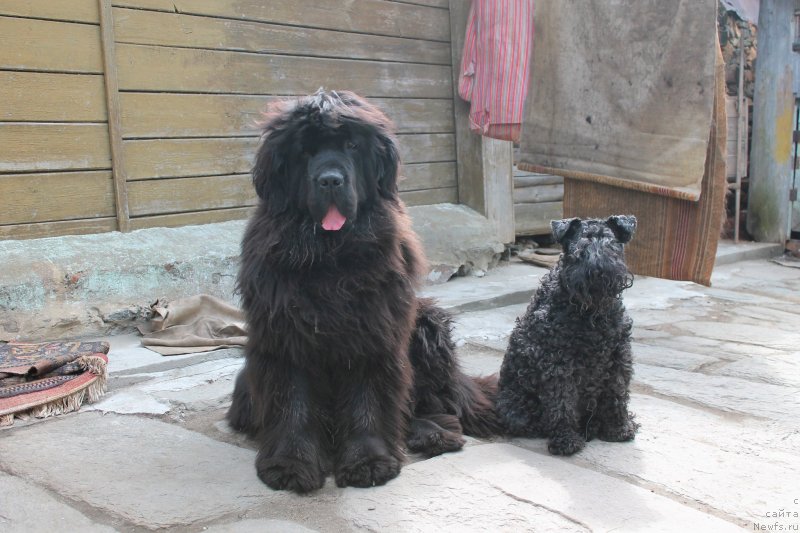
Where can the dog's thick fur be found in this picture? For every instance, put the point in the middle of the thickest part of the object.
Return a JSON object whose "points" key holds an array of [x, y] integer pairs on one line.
{"points": [[566, 373], [329, 265]]}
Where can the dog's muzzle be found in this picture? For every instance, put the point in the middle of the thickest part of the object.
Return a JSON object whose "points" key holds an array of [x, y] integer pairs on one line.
{"points": [[329, 179]]}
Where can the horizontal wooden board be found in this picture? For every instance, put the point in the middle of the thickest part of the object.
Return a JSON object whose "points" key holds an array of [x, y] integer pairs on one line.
{"points": [[186, 219], [28, 44], [534, 180], [427, 148], [360, 16], [431, 3], [170, 158], [425, 197], [542, 193], [156, 197], [534, 219], [53, 229], [46, 97], [53, 147], [427, 176], [419, 115], [158, 115], [431, 196], [187, 31], [70, 10], [151, 68], [56, 196]]}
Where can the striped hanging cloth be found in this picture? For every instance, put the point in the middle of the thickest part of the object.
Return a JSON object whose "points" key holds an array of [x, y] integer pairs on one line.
{"points": [[495, 66]]}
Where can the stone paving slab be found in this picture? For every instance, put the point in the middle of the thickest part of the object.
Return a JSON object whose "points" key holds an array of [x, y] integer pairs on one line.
{"points": [[512, 282], [703, 346], [127, 353], [726, 394], [709, 461], [488, 325], [260, 526], [198, 386], [783, 369], [148, 473], [26, 508], [763, 335], [670, 357], [500, 487]]}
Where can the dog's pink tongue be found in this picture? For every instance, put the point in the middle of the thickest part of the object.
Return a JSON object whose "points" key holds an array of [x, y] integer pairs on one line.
{"points": [[334, 220]]}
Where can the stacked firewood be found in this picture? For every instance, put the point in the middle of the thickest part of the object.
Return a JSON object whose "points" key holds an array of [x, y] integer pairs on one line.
{"points": [[735, 33]]}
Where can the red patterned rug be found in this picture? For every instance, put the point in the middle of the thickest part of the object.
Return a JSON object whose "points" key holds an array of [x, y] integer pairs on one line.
{"points": [[47, 379]]}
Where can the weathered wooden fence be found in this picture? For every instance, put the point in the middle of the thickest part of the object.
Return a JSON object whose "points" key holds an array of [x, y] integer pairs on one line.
{"points": [[127, 114]]}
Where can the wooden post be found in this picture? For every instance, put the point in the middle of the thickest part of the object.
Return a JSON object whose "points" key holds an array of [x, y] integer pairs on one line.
{"points": [[770, 159], [498, 186], [114, 122], [484, 166]]}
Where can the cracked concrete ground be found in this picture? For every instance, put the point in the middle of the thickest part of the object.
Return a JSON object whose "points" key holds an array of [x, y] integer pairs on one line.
{"points": [[717, 377]]}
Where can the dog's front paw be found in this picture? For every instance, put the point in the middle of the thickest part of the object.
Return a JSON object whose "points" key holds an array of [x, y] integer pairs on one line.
{"points": [[368, 472], [366, 462], [565, 443], [289, 473], [620, 433]]}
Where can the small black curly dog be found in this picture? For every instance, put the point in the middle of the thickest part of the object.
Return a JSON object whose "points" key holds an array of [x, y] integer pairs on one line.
{"points": [[568, 366], [344, 364]]}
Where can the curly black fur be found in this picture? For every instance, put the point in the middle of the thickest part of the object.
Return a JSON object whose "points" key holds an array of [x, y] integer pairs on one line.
{"points": [[329, 265], [567, 370]]}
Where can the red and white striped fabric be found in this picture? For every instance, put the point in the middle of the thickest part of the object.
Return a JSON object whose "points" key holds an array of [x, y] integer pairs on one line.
{"points": [[495, 65]]}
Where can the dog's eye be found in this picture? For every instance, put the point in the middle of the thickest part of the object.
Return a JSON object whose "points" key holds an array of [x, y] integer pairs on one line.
{"points": [[351, 145]]}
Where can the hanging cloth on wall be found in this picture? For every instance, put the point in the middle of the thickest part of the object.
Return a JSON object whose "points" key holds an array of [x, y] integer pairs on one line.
{"points": [[622, 93], [626, 109], [495, 66]]}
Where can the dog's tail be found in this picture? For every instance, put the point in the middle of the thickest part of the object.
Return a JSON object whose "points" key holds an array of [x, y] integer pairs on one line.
{"points": [[440, 386]]}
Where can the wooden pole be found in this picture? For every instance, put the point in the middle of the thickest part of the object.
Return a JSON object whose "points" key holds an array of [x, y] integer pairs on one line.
{"points": [[773, 104], [114, 122]]}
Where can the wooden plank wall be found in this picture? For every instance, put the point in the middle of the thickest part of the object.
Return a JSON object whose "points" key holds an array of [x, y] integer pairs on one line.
{"points": [[55, 163], [538, 199], [194, 76], [191, 79], [732, 157]]}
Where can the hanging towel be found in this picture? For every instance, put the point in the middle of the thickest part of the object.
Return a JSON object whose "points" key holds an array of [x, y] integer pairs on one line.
{"points": [[494, 67]]}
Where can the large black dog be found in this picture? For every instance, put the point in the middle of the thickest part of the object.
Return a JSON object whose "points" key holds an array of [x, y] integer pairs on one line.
{"points": [[566, 372], [344, 365]]}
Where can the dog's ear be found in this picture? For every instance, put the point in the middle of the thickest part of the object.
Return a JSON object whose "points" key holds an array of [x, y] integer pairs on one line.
{"points": [[269, 169], [267, 166], [566, 229], [388, 165], [623, 226]]}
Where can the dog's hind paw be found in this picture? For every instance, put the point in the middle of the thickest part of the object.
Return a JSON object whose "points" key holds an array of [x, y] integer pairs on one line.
{"points": [[436, 443], [429, 438], [287, 473], [565, 444]]}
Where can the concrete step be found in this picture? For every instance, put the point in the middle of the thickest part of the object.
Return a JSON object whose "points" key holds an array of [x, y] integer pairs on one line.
{"points": [[104, 284]]}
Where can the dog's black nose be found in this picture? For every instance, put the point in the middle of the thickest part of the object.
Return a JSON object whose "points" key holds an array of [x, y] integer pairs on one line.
{"points": [[330, 179]]}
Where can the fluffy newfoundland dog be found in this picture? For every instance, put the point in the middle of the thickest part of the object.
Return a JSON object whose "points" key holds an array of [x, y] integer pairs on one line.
{"points": [[344, 364]]}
